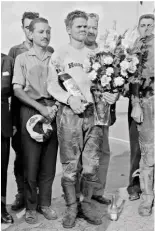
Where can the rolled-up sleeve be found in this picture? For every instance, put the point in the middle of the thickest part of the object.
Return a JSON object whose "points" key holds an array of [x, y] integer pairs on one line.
{"points": [[53, 86], [18, 76]]}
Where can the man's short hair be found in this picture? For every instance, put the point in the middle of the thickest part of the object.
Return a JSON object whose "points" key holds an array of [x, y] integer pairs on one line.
{"points": [[93, 15], [36, 20], [29, 15], [147, 16], [73, 15]]}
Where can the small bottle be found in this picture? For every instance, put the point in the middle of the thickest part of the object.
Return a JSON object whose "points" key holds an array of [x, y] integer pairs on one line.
{"points": [[113, 209]]}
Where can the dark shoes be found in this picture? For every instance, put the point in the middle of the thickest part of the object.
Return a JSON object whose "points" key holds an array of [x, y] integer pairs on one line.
{"points": [[31, 216], [134, 196], [69, 217], [18, 203], [48, 212], [6, 218], [101, 200], [134, 190], [90, 214]]}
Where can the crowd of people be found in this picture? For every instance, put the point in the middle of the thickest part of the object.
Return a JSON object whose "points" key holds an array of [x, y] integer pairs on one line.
{"points": [[30, 79]]}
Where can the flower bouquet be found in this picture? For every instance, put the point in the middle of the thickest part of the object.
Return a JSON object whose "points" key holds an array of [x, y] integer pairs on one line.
{"points": [[109, 68]]}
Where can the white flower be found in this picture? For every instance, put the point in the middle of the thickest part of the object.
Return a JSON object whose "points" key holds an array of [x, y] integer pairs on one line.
{"points": [[124, 65], [104, 48], [109, 71], [132, 68], [112, 35], [135, 60], [124, 73], [125, 43], [108, 60], [119, 81], [92, 75], [112, 45], [105, 80], [86, 65], [130, 37], [96, 66]]}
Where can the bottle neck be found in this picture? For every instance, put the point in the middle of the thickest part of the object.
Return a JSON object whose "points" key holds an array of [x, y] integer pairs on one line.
{"points": [[113, 200]]}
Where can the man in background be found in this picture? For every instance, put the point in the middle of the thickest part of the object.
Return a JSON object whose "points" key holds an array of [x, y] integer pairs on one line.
{"points": [[91, 43], [16, 139], [145, 28]]}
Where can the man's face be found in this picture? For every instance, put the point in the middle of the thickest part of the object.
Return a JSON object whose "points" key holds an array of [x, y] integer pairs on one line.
{"points": [[92, 30], [146, 26], [78, 29], [41, 34], [25, 28]]}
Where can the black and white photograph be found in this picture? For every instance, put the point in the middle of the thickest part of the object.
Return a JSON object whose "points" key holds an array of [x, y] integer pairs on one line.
{"points": [[77, 115]]}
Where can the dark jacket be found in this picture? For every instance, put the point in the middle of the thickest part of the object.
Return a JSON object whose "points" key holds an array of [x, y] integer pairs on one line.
{"points": [[6, 91]]}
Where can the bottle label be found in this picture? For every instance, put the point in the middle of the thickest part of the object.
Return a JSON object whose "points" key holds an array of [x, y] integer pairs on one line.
{"points": [[72, 88], [113, 216]]}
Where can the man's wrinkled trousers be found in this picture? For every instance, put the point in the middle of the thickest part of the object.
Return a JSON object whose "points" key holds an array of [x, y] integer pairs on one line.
{"points": [[80, 141], [146, 141]]}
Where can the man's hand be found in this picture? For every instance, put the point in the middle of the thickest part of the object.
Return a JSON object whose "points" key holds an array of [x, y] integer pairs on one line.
{"points": [[137, 113], [45, 112], [52, 111], [76, 104], [111, 98]]}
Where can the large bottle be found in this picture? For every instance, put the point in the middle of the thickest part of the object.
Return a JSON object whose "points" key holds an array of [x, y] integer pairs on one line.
{"points": [[69, 84]]}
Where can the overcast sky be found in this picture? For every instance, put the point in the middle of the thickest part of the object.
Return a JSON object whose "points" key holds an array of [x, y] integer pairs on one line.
{"points": [[124, 12]]}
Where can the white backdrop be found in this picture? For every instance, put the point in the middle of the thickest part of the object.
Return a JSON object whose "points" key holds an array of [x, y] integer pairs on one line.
{"points": [[124, 12]]}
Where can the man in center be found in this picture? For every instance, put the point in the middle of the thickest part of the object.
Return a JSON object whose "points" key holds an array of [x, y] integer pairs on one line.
{"points": [[79, 139], [90, 42]]}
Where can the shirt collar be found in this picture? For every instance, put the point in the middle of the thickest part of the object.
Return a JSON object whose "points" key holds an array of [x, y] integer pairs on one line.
{"points": [[22, 46], [31, 52]]}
